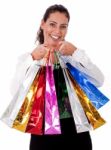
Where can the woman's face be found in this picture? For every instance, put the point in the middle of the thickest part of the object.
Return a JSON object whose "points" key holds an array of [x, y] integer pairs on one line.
{"points": [[55, 29]]}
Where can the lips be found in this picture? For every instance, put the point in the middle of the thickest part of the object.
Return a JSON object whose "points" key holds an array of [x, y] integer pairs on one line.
{"points": [[55, 37]]}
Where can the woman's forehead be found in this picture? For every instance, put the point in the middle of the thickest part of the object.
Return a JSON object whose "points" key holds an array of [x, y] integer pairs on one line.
{"points": [[57, 16]]}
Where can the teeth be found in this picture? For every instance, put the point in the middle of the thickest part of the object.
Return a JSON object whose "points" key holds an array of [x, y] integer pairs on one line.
{"points": [[55, 37]]}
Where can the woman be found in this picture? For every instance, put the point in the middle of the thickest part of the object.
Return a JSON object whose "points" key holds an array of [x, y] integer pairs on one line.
{"points": [[51, 36]]}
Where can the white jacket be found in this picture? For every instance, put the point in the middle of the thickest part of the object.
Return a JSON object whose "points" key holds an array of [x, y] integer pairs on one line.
{"points": [[78, 59]]}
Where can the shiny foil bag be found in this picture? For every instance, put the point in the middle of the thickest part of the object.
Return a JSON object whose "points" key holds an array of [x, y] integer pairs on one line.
{"points": [[12, 110], [80, 119], [92, 114], [32, 108], [62, 93], [36, 121], [52, 119], [96, 96], [23, 115]]}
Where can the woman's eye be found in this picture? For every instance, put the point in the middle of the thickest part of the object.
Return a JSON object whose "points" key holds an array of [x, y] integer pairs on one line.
{"points": [[52, 24], [63, 27]]}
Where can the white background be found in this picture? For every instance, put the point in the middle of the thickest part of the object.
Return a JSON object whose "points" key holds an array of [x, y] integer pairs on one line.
{"points": [[89, 29]]}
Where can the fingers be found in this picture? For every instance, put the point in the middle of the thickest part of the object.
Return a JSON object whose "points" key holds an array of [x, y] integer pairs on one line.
{"points": [[52, 50], [61, 47]]}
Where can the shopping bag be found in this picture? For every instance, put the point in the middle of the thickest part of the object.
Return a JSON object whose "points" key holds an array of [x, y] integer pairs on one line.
{"points": [[62, 93], [35, 123], [52, 118], [91, 112], [12, 110], [93, 93]]}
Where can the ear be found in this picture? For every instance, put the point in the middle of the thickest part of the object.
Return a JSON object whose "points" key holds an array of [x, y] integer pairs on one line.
{"points": [[42, 24]]}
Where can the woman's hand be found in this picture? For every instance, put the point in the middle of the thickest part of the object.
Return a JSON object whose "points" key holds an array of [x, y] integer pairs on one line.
{"points": [[66, 48], [39, 52]]}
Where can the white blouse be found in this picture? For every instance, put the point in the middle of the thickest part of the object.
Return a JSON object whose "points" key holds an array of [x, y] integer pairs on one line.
{"points": [[79, 59]]}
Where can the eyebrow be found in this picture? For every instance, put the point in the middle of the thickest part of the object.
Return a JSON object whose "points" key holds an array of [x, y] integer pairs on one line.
{"points": [[61, 24]]}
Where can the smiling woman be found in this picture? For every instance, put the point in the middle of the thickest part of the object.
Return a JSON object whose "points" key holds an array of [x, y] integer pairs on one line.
{"points": [[55, 29], [51, 37]]}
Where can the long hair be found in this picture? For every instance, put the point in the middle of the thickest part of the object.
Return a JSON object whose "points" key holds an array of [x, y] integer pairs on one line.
{"points": [[50, 10]]}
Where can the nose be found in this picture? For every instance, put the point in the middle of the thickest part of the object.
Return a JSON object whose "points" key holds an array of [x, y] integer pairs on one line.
{"points": [[57, 30]]}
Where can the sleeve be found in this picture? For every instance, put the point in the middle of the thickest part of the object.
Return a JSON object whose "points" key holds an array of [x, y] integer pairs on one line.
{"points": [[81, 61], [23, 63]]}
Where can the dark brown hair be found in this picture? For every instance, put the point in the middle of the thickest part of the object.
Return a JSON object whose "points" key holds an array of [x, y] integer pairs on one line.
{"points": [[49, 10]]}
